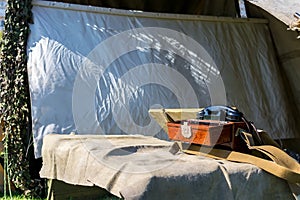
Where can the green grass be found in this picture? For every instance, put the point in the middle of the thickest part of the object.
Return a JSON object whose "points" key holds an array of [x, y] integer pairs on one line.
{"points": [[18, 197], [22, 197]]}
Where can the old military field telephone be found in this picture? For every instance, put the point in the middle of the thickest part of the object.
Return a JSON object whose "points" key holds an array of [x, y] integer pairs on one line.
{"points": [[214, 125], [223, 132]]}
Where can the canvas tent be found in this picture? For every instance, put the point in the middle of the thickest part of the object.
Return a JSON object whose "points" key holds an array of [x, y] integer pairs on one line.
{"points": [[98, 70]]}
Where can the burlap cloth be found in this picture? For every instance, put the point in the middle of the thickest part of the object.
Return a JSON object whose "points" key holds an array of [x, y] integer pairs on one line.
{"points": [[139, 167]]}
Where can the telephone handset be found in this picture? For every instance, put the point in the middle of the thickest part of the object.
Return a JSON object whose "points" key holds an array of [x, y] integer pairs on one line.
{"points": [[226, 113], [223, 113]]}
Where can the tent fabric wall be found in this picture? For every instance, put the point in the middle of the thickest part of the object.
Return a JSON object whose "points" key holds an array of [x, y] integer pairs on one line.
{"points": [[191, 61], [282, 10], [287, 46]]}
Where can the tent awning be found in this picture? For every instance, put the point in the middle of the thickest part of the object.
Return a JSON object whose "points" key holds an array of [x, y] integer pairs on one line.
{"points": [[281, 9]]}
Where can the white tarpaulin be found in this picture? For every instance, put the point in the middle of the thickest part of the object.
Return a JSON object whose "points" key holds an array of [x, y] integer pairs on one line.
{"points": [[98, 71]]}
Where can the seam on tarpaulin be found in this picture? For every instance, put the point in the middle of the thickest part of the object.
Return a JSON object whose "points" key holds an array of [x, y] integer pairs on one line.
{"points": [[289, 56], [133, 13]]}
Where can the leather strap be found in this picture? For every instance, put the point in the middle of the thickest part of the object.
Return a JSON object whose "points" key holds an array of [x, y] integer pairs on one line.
{"points": [[278, 163]]}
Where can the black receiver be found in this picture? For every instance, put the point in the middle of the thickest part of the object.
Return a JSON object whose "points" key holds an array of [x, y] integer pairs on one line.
{"points": [[224, 113]]}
